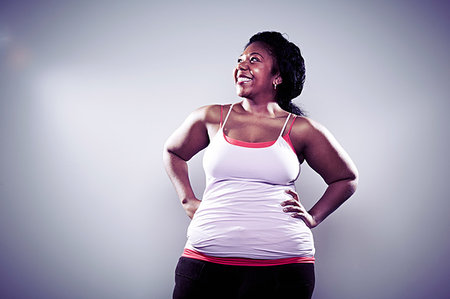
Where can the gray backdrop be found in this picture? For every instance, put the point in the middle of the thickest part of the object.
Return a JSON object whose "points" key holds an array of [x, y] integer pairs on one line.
{"points": [[90, 90]]}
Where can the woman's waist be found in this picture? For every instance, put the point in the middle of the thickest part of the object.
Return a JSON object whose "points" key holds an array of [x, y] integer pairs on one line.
{"points": [[252, 239], [245, 191], [245, 209], [247, 224], [246, 221]]}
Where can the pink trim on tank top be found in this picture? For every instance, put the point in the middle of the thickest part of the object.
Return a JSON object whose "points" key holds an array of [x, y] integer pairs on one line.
{"points": [[234, 261], [257, 144]]}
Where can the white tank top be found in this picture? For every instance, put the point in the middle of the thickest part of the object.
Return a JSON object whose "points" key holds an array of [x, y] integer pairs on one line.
{"points": [[240, 214]]}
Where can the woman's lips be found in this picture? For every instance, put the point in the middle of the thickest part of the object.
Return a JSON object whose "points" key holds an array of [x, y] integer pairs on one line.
{"points": [[243, 80]]}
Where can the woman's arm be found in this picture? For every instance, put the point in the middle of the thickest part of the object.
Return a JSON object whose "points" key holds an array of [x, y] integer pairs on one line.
{"points": [[190, 138], [325, 155]]}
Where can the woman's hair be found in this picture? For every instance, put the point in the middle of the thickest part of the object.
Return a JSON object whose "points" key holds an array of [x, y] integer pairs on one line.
{"points": [[289, 62]]}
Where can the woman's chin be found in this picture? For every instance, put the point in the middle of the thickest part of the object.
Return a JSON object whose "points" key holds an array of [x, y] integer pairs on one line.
{"points": [[240, 92]]}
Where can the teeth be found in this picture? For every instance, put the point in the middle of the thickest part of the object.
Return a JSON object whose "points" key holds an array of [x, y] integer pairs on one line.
{"points": [[243, 79]]}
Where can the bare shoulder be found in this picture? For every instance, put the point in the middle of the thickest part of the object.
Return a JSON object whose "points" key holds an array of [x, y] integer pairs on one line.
{"points": [[209, 114], [308, 135], [305, 127]]}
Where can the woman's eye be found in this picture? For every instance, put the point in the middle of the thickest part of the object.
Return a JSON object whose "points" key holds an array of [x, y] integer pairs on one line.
{"points": [[239, 60], [254, 59]]}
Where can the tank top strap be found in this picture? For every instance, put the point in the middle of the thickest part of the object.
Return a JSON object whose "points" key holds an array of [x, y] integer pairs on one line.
{"points": [[292, 124], [228, 114], [285, 123]]}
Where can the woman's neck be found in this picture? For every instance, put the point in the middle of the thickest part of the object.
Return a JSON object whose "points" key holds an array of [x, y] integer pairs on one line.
{"points": [[267, 109]]}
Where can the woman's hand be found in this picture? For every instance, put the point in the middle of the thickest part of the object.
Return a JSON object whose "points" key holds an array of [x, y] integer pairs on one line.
{"points": [[296, 209], [191, 206]]}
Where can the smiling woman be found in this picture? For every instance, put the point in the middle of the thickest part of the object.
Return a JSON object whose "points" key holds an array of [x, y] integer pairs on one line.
{"points": [[250, 236]]}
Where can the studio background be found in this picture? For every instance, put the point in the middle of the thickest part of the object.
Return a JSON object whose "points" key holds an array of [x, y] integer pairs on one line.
{"points": [[90, 90]]}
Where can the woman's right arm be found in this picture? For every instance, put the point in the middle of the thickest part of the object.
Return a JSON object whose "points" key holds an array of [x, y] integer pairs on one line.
{"points": [[190, 138]]}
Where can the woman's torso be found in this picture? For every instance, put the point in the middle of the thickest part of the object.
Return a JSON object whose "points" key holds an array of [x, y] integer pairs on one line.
{"points": [[240, 214]]}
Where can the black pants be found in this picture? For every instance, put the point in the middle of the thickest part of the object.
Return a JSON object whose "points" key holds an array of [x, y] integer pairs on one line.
{"points": [[200, 280]]}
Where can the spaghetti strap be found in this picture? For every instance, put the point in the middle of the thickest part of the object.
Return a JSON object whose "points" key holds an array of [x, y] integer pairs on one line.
{"points": [[228, 114], [221, 113], [292, 124], [285, 123]]}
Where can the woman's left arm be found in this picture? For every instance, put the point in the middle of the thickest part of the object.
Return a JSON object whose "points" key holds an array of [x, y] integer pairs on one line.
{"points": [[326, 156]]}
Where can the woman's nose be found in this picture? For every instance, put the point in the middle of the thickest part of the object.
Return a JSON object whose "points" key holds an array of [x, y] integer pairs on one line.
{"points": [[242, 65]]}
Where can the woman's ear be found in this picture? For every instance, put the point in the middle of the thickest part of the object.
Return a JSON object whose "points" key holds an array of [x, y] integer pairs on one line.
{"points": [[278, 80]]}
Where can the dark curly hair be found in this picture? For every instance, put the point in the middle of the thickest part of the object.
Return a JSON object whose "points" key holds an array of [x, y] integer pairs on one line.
{"points": [[289, 62]]}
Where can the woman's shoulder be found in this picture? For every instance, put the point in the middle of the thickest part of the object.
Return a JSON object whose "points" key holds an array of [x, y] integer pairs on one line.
{"points": [[210, 113], [305, 126], [304, 123]]}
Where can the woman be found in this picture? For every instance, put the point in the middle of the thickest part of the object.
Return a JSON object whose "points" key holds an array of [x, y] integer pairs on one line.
{"points": [[250, 235]]}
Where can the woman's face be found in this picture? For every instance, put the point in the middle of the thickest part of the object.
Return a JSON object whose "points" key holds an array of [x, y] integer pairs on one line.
{"points": [[253, 74]]}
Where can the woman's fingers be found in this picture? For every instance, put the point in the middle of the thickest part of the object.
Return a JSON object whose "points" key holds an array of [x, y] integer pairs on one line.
{"points": [[296, 209], [289, 202], [295, 201], [293, 206], [296, 212], [298, 215], [292, 193]]}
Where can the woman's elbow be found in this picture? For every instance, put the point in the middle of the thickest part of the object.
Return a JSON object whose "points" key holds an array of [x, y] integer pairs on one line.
{"points": [[353, 180]]}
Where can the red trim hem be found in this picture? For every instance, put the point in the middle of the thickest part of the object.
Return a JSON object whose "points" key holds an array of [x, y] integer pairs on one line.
{"points": [[233, 261]]}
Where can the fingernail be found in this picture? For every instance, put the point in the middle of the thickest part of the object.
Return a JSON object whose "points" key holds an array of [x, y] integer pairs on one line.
{"points": [[285, 209]]}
